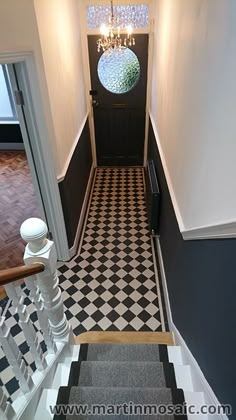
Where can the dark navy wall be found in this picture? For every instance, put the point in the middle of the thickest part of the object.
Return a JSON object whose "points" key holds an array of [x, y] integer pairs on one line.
{"points": [[10, 133], [201, 277], [73, 187]]}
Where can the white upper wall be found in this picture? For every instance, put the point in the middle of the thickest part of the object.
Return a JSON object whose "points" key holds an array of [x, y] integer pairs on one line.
{"points": [[193, 105], [50, 29], [58, 24], [18, 32]]}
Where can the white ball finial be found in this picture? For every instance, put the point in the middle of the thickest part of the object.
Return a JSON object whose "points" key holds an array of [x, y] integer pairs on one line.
{"points": [[34, 231]]}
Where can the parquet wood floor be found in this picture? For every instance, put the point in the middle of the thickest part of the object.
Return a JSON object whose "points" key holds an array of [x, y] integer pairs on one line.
{"points": [[17, 203]]}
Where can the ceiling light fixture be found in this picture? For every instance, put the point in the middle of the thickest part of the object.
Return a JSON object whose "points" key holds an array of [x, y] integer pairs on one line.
{"points": [[111, 34]]}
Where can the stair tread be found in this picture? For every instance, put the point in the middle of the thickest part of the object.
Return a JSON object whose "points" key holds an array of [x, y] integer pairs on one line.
{"points": [[105, 374], [122, 395], [124, 352], [102, 394]]}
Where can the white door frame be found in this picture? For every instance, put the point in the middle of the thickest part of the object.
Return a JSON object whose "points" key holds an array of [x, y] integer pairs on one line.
{"points": [[39, 150], [86, 66]]}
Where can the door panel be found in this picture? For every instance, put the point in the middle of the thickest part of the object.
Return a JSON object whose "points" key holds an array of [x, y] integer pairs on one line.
{"points": [[119, 136], [119, 118]]}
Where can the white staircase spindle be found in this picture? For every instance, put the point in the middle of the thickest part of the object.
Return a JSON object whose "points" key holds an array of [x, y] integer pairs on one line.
{"points": [[35, 296], [14, 357], [3, 404], [40, 249], [6, 410], [13, 291], [9, 411]]}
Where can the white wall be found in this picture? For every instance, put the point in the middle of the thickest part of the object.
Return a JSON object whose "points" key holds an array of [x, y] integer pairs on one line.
{"points": [[18, 32], [50, 29], [58, 24], [193, 105]]}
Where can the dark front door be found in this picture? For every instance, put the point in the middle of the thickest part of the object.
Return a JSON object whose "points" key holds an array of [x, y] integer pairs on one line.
{"points": [[119, 104]]}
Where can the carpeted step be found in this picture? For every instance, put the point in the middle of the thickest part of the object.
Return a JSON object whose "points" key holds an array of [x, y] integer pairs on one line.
{"points": [[124, 352], [119, 374], [91, 396]]}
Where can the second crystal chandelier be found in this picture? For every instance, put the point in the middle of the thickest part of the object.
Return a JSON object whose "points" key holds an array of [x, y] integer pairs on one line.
{"points": [[111, 34]]}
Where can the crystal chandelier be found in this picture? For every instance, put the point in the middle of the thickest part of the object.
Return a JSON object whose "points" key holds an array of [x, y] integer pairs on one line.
{"points": [[110, 34]]}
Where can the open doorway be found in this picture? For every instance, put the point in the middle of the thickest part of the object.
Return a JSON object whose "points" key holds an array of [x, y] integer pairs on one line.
{"points": [[28, 83], [19, 199]]}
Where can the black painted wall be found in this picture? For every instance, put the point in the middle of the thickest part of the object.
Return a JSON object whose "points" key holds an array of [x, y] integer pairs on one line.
{"points": [[201, 277], [10, 133], [73, 187]]}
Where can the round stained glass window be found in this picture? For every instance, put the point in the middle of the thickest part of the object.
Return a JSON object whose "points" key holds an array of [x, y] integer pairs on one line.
{"points": [[119, 70]]}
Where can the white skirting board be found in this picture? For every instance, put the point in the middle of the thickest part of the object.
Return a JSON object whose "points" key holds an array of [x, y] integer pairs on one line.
{"points": [[200, 383], [73, 249]]}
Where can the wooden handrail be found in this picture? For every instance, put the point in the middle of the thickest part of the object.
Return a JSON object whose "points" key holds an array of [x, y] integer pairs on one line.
{"points": [[12, 274]]}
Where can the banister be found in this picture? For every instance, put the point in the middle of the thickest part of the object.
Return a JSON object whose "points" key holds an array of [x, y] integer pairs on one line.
{"points": [[12, 274]]}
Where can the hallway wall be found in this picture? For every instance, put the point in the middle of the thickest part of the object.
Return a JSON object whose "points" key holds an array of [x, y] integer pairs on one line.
{"points": [[193, 106], [201, 284], [19, 32], [193, 115], [50, 30], [73, 186], [59, 31]]}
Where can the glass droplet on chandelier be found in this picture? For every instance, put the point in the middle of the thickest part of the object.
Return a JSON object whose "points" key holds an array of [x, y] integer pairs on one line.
{"points": [[138, 14], [119, 70]]}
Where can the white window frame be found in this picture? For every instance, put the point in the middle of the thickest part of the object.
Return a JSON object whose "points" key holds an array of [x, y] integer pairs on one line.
{"points": [[10, 96]]}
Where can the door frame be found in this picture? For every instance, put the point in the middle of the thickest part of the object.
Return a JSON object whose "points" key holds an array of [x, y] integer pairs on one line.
{"points": [[39, 149], [26, 143], [85, 54]]}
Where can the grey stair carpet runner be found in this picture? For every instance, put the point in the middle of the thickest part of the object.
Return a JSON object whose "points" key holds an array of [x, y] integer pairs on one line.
{"points": [[121, 380]]}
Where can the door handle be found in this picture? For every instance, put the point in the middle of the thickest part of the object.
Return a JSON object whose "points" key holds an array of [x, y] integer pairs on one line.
{"points": [[95, 103]]}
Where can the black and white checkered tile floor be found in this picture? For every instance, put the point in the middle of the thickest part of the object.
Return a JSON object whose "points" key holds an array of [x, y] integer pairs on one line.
{"points": [[112, 283]]}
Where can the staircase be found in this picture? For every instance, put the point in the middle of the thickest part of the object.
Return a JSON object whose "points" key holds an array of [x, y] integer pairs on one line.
{"points": [[113, 369], [119, 373]]}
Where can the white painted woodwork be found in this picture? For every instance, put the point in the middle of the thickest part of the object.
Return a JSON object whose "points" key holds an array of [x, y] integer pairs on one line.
{"points": [[3, 405], [35, 296], [197, 400], [47, 399], [9, 411], [183, 377], [26, 404], [61, 375], [175, 355], [6, 410], [14, 357], [40, 249], [13, 291]]}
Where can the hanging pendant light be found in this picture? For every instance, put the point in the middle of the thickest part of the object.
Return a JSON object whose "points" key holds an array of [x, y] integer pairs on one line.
{"points": [[110, 34]]}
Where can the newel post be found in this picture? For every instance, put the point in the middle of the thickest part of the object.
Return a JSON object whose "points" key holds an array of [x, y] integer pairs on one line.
{"points": [[40, 249]]}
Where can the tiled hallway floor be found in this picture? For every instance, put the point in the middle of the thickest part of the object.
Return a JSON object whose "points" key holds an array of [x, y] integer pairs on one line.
{"points": [[111, 284]]}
